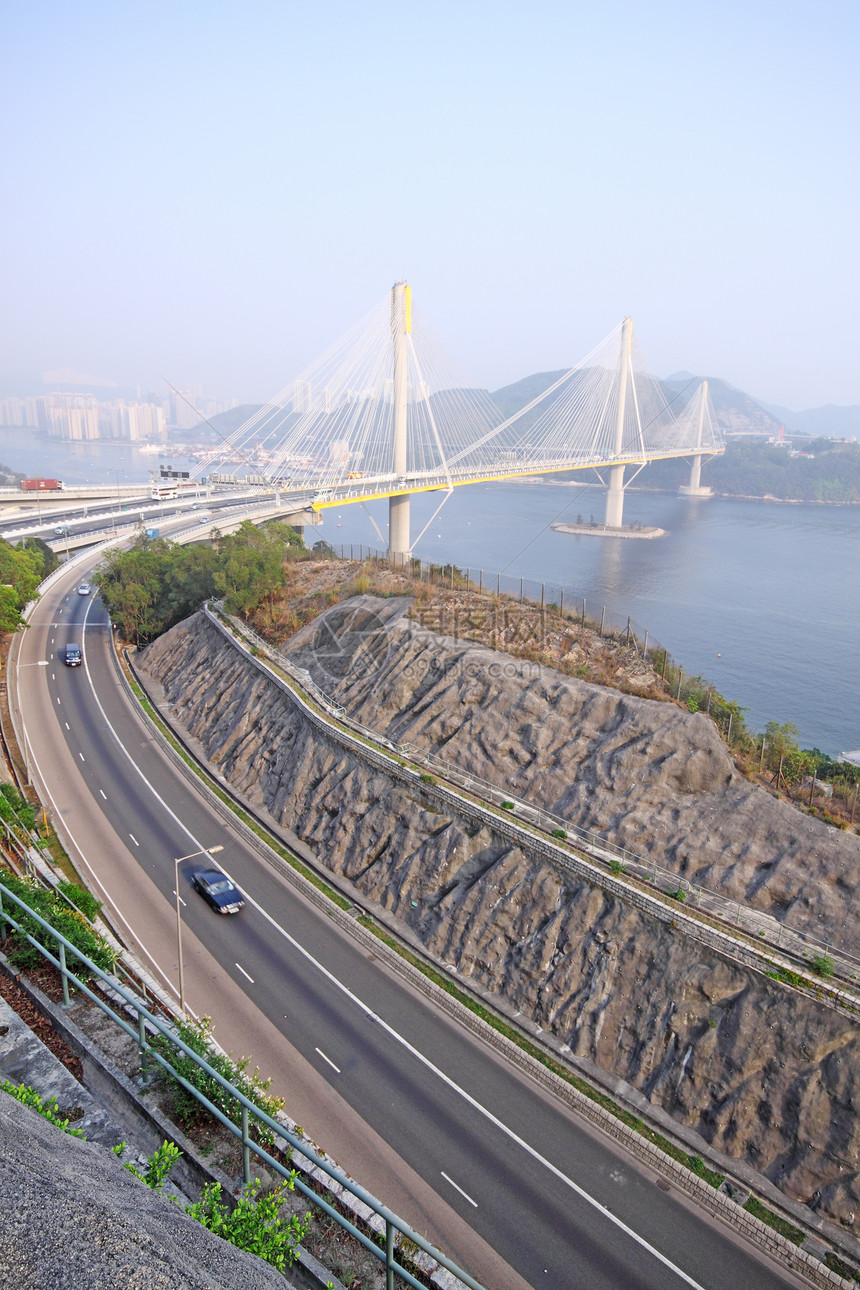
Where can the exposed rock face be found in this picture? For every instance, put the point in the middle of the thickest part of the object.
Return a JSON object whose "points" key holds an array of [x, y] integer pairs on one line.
{"points": [[70, 1215], [766, 1075], [647, 775]]}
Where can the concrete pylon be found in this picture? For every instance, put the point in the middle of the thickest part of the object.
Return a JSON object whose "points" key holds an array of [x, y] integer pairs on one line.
{"points": [[694, 487], [399, 544], [614, 513]]}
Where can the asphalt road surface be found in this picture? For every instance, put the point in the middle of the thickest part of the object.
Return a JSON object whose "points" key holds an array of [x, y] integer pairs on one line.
{"points": [[498, 1174]]}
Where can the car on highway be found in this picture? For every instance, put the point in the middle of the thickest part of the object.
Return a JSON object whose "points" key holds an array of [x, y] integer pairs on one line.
{"points": [[217, 889], [84, 589], [72, 655]]}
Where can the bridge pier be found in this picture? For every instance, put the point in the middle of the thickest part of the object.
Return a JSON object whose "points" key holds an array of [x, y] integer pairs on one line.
{"points": [[399, 548], [694, 487], [614, 512], [613, 515], [399, 544]]}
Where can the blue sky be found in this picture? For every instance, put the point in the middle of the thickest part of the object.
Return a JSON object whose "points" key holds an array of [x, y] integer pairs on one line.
{"points": [[217, 191]]}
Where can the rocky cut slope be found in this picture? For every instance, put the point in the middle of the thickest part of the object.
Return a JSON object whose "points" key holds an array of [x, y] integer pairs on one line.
{"points": [[765, 1074], [647, 775]]}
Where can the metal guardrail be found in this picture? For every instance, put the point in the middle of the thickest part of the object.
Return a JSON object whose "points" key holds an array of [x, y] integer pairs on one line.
{"points": [[147, 1024], [795, 944]]}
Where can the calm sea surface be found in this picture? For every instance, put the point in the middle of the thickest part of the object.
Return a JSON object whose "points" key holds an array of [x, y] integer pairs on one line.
{"points": [[761, 598]]}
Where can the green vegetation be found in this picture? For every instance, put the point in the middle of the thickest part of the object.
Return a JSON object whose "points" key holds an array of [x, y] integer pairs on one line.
{"points": [[67, 921], [49, 1109], [255, 1223], [16, 812], [158, 1166], [84, 900], [185, 1106], [840, 1267], [154, 584], [781, 1225], [21, 571], [829, 471], [822, 965]]}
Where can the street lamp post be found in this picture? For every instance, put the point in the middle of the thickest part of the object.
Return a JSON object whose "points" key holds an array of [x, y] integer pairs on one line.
{"points": [[204, 851]]}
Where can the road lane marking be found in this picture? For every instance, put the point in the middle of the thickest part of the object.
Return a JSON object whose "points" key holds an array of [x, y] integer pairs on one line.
{"points": [[82, 757], [419, 1056], [468, 1098], [68, 727], [58, 698], [244, 973], [53, 674], [134, 839], [326, 1059], [464, 1194], [103, 793]]}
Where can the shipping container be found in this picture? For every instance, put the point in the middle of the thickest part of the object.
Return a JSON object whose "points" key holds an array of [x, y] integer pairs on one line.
{"points": [[41, 485]]}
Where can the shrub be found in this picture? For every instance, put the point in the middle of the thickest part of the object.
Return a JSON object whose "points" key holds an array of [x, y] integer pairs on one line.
{"points": [[196, 1035], [68, 922], [254, 1224], [559, 833], [15, 809], [49, 1109], [158, 1166], [83, 899], [822, 965]]}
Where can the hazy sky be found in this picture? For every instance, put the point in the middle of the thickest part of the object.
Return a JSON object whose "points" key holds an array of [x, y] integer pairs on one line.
{"points": [[218, 191]]}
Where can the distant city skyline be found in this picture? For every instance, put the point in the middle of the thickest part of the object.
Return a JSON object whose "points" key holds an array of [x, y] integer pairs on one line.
{"points": [[216, 196]]}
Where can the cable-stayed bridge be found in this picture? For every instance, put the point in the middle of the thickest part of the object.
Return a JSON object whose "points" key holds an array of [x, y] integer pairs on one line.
{"points": [[382, 414]]}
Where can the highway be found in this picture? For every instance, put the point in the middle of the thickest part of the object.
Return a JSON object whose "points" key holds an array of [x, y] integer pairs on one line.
{"points": [[490, 1168]]}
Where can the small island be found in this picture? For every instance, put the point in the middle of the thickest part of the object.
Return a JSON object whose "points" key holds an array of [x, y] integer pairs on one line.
{"points": [[595, 529]]}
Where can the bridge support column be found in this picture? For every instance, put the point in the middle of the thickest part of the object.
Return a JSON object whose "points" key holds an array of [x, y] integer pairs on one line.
{"points": [[399, 544], [614, 512], [694, 487], [613, 515], [399, 549]]}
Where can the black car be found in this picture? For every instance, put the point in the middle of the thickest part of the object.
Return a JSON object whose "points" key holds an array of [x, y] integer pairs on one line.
{"points": [[220, 892]]}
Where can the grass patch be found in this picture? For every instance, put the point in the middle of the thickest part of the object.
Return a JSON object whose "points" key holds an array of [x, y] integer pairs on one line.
{"points": [[781, 1225], [840, 1267]]}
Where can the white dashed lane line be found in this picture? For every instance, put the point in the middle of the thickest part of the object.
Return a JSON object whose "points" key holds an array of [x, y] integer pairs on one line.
{"points": [[244, 973], [103, 793], [134, 839], [327, 1059], [464, 1194]]}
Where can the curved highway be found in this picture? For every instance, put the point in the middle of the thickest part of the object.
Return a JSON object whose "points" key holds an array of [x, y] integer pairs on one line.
{"points": [[490, 1168]]}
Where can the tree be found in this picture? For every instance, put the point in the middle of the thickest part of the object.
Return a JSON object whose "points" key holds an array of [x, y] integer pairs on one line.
{"points": [[781, 743], [251, 564], [21, 571]]}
